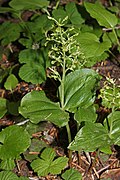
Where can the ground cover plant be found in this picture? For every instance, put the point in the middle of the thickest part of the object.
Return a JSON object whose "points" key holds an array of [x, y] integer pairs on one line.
{"points": [[59, 112]]}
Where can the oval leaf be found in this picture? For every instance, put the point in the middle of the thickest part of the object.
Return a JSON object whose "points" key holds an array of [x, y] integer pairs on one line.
{"points": [[11, 82], [86, 114], [90, 45], [114, 122], [34, 69], [28, 4], [104, 17], [79, 89], [90, 137], [15, 141], [73, 14], [3, 108], [37, 107]]}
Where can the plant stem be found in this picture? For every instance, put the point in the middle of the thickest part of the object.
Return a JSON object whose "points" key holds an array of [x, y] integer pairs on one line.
{"points": [[69, 140], [62, 106], [116, 36], [62, 85]]}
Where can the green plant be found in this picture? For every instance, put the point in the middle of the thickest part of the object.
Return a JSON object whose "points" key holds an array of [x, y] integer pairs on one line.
{"points": [[95, 135], [48, 164], [15, 140], [77, 86], [60, 45]]}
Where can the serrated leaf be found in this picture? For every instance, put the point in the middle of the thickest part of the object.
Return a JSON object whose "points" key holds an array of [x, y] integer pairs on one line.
{"points": [[47, 165], [3, 108], [15, 141], [71, 174], [28, 4], [90, 137], [79, 89], [104, 17], [86, 114], [8, 175], [58, 164], [37, 107], [9, 32], [34, 69], [48, 154], [73, 14], [114, 123], [7, 164], [90, 45], [11, 82]]}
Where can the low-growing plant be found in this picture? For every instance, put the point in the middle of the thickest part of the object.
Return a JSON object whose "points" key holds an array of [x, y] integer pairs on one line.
{"points": [[63, 44]]}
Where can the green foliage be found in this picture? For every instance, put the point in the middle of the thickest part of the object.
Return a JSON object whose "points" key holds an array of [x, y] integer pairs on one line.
{"points": [[15, 140], [3, 108], [59, 44], [35, 64], [92, 47], [79, 89], [7, 164], [104, 17], [10, 34], [86, 114], [94, 135], [12, 107], [73, 14], [37, 107], [11, 82], [8, 175], [28, 4], [47, 164], [71, 174]]}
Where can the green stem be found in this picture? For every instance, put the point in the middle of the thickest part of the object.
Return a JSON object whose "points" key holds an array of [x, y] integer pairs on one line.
{"points": [[69, 140], [62, 85], [116, 36], [62, 106]]}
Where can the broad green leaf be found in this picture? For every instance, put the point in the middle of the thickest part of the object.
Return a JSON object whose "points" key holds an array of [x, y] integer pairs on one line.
{"points": [[59, 14], [48, 154], [3, 108], [34, 69], [73, 14], [86, 114], [114, 123], [90, 45], [28, 4], [79, 89], [37, 107], [103, 16], [15, 141], [11, 82], [13, 107], [47, 164], [7, 164], [90, 137], [6, 9], [58, 164], [9, 32], [8, 175], [71, 174]]}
